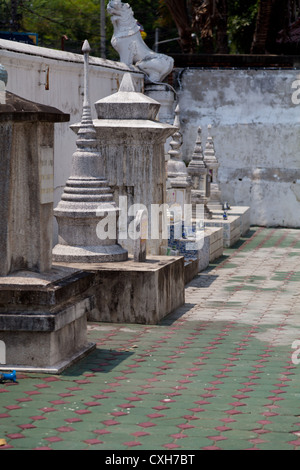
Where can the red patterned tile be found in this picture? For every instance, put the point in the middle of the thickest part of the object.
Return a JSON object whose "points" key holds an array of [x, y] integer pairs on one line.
{"points": [[171, 446], [47, 409], [53, 439], [155, 415], [101, 431], [38, 417], [295, 443], [93, 441], [140, 434], [178, 435], [92, 403], [15, 435], [217, 438], [147, 424], [211, 448], [73, 420], [118, 413], [185, 426], [65, 429], [26, 426], [132, 444], [110, 422]]}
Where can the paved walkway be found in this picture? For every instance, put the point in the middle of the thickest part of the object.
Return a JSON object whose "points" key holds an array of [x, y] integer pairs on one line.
{"points": [[219, 373]]}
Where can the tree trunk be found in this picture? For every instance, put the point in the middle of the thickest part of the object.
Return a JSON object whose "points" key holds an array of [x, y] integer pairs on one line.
{"points": [[221, 26], [259, 45], [178, 10]]}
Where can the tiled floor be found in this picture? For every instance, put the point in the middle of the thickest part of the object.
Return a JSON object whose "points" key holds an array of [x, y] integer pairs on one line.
{"points": [[220, 373]]}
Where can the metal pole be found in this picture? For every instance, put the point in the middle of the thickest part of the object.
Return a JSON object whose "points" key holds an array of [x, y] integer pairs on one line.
{"points": [[102, 30]]}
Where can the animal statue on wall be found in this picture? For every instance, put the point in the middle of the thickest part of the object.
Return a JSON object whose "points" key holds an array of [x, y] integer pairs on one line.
{"points": [[132, 49]]}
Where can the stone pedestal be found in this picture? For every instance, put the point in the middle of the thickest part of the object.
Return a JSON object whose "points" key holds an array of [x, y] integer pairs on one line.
{"points": [[136, 292], [243, 212], [216, 246], [43, 319], [166, 97], [231, 228], [26, 184]]}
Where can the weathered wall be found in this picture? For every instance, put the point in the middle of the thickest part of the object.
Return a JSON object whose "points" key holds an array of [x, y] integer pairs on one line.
{"points": [[256, 127], [56, 78]]}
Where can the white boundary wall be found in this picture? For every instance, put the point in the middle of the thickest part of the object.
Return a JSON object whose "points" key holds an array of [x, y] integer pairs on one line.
{"points": [[255, 116], [30, 68]]}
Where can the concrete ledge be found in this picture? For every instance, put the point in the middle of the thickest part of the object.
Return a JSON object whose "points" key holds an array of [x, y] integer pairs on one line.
{"points": [[216, 242], [231, 228], [241, 211], [191, 269], [132, 292], [55, 369], [43, 319]]}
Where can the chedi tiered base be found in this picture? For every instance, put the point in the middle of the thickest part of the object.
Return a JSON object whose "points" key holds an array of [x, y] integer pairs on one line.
{"points": [[85, 210]]}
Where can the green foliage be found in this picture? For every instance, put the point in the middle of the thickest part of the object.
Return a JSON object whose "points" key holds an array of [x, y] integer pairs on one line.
{"points": [[77, 20], [241, 24]]}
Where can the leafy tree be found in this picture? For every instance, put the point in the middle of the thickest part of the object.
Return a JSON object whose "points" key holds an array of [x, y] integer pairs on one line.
{"points": [[67, 22], [241, 25], [187, 26]]}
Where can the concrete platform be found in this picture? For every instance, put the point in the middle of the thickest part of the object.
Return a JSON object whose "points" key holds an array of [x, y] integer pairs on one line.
{"points": [[216, 247], [231, 227], [198, 255], [135, 292], [43, 319], [243, 212]]}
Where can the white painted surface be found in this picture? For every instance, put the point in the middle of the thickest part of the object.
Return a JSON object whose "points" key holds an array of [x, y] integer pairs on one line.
{"points": [[255, 116]]}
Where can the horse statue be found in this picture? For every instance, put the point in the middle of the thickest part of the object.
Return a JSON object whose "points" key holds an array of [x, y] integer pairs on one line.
{"points": [[128, 42]]}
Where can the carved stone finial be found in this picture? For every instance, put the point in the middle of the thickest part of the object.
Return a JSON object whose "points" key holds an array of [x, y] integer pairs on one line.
{"points": [[127, 83], [209, 152], [213, 166], [197, 160], [198, 172], [176, 142], [176, 168]]}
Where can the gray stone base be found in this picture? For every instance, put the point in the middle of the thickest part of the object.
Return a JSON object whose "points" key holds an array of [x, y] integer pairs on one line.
{"points": [[210, 249], [191, 269], [136, 292], [231, 227], [89, 254], [241, 211], [43, 319], [194, 266], [216, 242], [56, 369]]}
